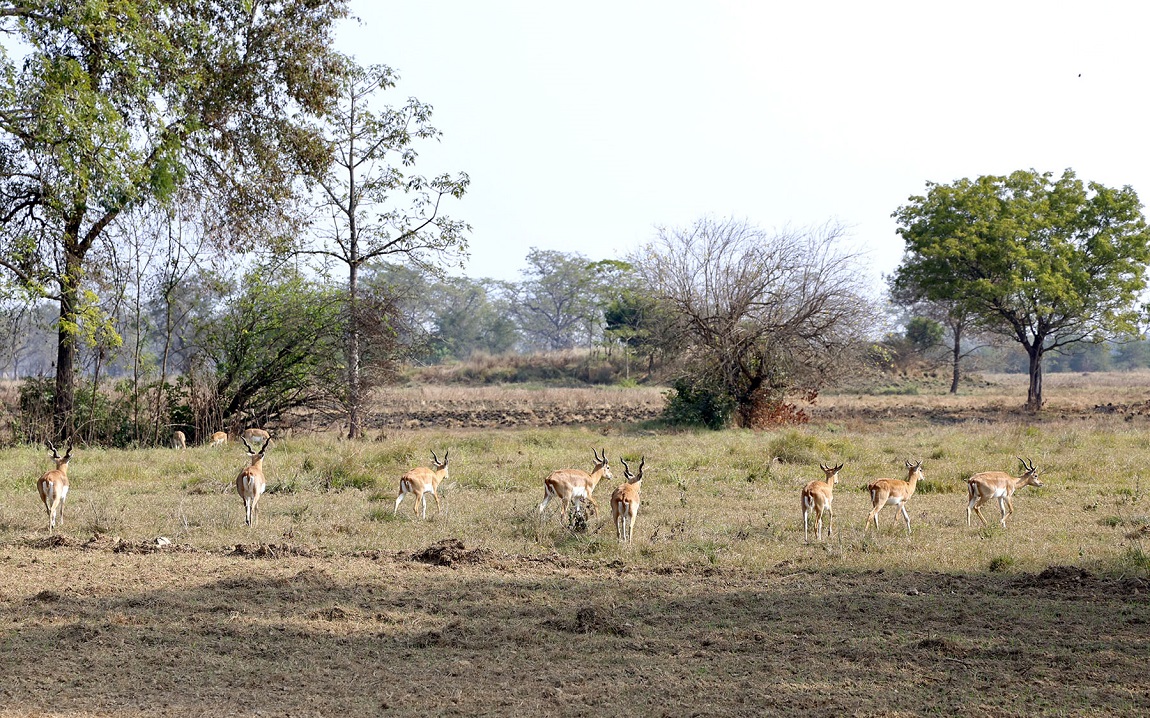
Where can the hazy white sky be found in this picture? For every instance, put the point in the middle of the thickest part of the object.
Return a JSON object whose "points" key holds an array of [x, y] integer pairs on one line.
{"points": [[584, 125]]}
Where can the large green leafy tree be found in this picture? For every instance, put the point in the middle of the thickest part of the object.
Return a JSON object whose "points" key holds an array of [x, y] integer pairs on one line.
{"points": [[110, 104], [1045, 261]]}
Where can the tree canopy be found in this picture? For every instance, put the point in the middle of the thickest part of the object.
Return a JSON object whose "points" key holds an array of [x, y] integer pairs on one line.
{"points": [[115, 104], [1046, 261]]}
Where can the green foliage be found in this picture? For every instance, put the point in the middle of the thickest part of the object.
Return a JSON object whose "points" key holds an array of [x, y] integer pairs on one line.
{"points": [[276, 346], [698, 402], [924, 334], [999, 564], [1045, 262], [113, 105]]}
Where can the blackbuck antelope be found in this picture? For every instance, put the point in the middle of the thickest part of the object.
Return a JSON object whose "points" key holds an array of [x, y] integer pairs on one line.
{"points": [[1000, 485], [219, 438], [569, 485], [251, 483], [179, 441], [254, 435], [816, 498], [53, 486], [422, 481], [893, 492], [625, 502]]}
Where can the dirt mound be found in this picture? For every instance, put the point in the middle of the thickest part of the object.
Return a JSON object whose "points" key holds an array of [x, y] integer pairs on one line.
{"points": [[54, 541], [271, 550], [1053, 576], [452, 552]]}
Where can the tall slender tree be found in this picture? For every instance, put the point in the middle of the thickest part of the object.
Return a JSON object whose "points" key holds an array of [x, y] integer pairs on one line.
{"points": [[376, 208], [105, 106]]}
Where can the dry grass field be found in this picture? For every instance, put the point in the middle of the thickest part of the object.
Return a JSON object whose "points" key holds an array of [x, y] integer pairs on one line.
{"points": [[333, 606]]}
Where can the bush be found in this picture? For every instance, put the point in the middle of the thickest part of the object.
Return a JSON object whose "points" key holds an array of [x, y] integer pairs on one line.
{"points": [[698, 403]]}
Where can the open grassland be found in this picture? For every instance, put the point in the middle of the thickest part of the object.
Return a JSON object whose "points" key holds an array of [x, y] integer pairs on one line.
{"points": [[331, 605]]}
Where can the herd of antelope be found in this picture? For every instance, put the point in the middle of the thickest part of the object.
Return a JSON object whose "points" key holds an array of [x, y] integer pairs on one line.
{"points": [[575, 488], [817, 496]]}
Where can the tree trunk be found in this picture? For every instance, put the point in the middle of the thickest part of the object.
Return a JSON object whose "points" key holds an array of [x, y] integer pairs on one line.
{"points": [[64, 402], [1034, 395], [957, 350], [354, 430]]}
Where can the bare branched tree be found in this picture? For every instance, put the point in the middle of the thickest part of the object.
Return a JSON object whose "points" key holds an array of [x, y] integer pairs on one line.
{"points": [[766, 316]]}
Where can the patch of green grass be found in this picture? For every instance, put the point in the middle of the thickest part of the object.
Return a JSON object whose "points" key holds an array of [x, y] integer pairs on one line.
{"points": [[794, 447], [896, 390], [1136, 558], [931, 486], [1002, 563]]}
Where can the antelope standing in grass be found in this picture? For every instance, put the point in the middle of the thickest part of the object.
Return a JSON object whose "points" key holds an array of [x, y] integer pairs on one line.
{"points": [[983, 487], [569, 485], [179, 441], [53, 486], [816, 498], [256, 434], [625, 502], [251, 483], [219, 438], [893, 492], [422, 481]]}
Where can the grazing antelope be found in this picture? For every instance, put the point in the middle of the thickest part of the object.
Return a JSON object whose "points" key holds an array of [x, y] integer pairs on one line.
{"points": [[816, 498], [254, 434], [251, 483], [895, 493], [569, 485], [983, 487], [625, 502], [53, 486], [179, 441], [422, 481], [219, 438]]}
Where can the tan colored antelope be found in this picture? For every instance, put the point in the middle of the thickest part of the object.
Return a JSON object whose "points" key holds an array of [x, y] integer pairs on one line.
{"points": [[179, 440], [220, 438], [569, 485], [250, 484], [893, 492], [983, 487], [816, 498], [256, 434], [53, 487], [422, 481], [625, 502]]}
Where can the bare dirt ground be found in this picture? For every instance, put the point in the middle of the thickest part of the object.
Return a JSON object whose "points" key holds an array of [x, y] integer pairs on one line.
{"points": [[987, 398], [108, 629]]}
